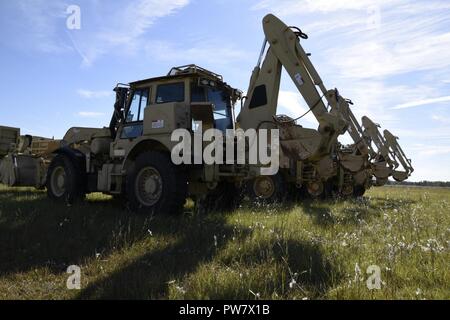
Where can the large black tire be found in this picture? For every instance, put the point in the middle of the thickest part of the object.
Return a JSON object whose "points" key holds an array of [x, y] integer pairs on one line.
{"points": [[154, 185], [65, 180], [359, 191], [226, 197], [275, 189]]}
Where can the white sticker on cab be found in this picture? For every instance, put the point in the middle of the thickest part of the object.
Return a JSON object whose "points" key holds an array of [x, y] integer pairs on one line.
{"points": [[157, 124]]}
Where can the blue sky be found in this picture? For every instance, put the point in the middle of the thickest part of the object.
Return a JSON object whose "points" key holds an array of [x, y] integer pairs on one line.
{"points": [[392, 58]]}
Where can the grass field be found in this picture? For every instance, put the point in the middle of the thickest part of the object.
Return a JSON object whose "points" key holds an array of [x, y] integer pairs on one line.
{"points": [[313, 250]]}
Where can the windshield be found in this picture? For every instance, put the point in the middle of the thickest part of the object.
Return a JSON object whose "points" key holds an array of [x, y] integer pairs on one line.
{"points": [[223, 116]]}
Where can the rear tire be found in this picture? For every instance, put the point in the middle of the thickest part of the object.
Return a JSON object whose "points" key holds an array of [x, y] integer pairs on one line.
{"points": [[64, 180], [267, 189], [155, 185], [359, 191], [226, 197]]}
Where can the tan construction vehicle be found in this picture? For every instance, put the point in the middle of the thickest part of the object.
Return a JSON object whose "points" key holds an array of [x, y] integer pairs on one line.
{"points": [[132, 157], [310, 159]]}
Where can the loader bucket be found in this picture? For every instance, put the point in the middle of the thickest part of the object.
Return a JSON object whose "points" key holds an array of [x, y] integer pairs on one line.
{"points": [[400, 176]]}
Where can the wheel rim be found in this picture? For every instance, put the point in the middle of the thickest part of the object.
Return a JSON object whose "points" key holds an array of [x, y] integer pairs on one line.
{"points": [[315, 188], [347, 190], [264, 187], [58, 181], [149, 186]]}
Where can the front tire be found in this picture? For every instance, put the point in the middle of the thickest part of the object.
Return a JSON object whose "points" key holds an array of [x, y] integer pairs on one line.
{"points": [[64, 180], [155, 185]]}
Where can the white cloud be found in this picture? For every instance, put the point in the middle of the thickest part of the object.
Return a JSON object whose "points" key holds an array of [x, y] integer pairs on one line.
{"points": [[88, 94], [441, 119], [116, 27], [422, 102], [293, 7], [293, 102], [207, 52], [430, 150], [124, 29], [369, 58], [89, 114], [35, 24]]}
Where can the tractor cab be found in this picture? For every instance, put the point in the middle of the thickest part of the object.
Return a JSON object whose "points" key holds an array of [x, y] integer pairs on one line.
{"points": [[180, 99]]}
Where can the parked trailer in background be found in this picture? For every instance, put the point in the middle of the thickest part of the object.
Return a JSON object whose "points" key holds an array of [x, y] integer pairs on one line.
{"points": [[24, 159], [9, 138]]}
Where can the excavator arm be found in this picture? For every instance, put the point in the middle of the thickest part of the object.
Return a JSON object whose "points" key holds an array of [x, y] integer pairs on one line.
{"points": [[285, 51], [398, 153], [388, 150], [372, 133], [384, 162], [354, 128]]}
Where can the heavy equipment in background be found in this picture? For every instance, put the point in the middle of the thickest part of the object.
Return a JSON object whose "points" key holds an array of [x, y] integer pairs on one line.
{"points": [[309, 159], [24, 159], [9, 138], [132, 157]]}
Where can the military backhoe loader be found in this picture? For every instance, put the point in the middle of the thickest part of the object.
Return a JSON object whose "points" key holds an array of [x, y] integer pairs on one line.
{"points": [[132, 156]]}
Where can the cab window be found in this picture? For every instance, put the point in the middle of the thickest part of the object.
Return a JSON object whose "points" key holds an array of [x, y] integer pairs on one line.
{"points": [[172, 92], [222, 104], [134, 126], [137, 106]]}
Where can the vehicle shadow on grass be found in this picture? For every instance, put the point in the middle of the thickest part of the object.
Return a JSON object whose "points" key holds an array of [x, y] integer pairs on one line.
{"points": [[148, 277], [199, 239], [35, 232], [151, 275]]}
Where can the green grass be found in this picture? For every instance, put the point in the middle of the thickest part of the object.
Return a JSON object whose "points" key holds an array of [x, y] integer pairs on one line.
{"points": [[312, 250]]}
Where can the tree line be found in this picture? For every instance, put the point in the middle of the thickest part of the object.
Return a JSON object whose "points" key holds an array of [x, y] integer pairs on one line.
{"points": [[444, 184]]}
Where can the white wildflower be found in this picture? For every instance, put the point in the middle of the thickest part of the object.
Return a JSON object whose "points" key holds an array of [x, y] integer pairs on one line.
{"points": [[357, 273], [292, 284], [180, 289]]}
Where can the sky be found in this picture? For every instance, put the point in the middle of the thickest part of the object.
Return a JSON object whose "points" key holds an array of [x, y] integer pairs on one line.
{"points": [[392, 58]]}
